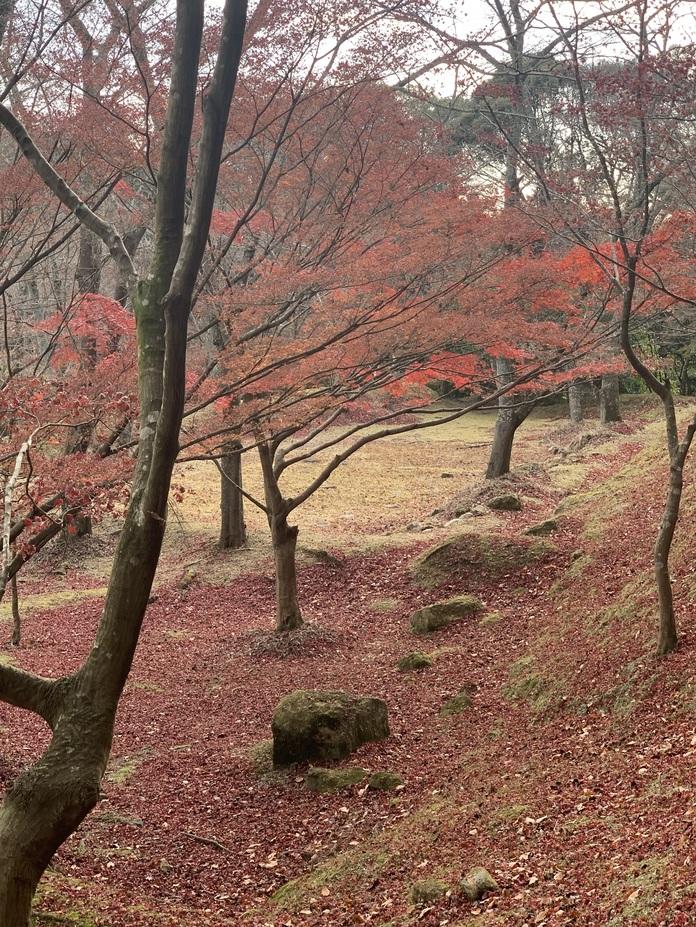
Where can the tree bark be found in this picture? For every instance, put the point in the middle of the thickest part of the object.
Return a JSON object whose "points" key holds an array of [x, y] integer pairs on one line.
{"points": [[667, 638], [609, 405], [576, 391], [232, 527]]}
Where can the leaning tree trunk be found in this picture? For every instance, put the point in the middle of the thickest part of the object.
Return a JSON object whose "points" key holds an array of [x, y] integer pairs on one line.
{"points": [[575, 396], [512, 411], [232, 527], [609, 406]]}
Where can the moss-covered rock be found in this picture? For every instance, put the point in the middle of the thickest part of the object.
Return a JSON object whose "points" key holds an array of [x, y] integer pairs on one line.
{"points": [[311, 725], [322, 780], [426, 891], [543, 528], [470, 552], [506, 502], [441, 614], [385, 781], [477, 882], [458, 703], [416, 660]]}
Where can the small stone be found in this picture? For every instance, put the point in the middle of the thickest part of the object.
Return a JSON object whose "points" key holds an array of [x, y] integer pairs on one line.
{"points": [[415, 661], [188, 577], [459, 703], [426, 891], [322, 780], [385, 781], [477, 882], [506, 502], [543, 528], [441, 614]]}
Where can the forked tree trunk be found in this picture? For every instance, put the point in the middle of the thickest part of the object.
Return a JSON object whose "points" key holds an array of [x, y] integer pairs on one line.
{"points": [[232, 527], [575, 396], [609, 403], [288, 613]]}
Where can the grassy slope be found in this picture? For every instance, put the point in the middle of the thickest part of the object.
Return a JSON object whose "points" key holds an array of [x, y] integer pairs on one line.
{"points": [[573, 779]]}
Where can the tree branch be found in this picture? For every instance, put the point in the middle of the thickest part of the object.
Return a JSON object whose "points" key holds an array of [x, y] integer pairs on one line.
{"points": [[68, 197]]}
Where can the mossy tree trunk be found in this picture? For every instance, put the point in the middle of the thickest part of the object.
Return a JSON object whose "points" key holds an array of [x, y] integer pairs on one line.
{"points": [[49, 799], [232, 527]]}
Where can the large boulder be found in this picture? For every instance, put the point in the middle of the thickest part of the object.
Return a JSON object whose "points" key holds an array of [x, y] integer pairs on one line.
{"points": [[441, 614], [311, 725]]}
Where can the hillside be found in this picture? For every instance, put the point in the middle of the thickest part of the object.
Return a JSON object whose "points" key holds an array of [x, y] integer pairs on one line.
{"points": [[567, 771]]}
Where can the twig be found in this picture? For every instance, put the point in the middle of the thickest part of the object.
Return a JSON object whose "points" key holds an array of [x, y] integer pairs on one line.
{"points": [[208, 841]]}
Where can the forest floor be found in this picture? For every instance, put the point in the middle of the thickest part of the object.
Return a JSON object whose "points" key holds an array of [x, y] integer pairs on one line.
{"points": [[570, 777]]}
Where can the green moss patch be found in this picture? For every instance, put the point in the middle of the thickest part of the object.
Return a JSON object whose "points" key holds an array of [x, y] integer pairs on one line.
{"points": [[527, 683], [458, 703]]}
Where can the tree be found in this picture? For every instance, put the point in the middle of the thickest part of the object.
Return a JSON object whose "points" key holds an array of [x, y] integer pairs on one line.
{"points": [[624, 206], [48, 801]]}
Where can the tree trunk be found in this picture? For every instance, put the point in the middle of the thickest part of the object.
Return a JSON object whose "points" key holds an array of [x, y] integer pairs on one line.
{"points": [[49, 799], [667, 634], [512, 411], [609, 408], [284, 538], [232, 527], [288, 614], [575, 396], [667, 637], [16, 617]]}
